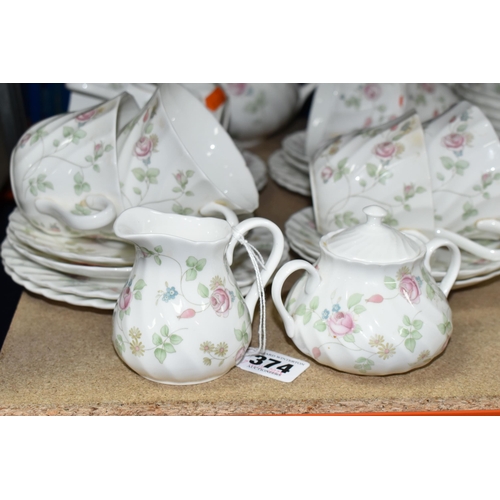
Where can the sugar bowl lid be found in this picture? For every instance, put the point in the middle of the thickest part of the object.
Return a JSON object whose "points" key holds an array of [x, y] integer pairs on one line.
{"points": [[372, 242]]}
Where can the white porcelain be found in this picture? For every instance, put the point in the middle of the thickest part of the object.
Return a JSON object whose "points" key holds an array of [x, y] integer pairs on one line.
{"points": [[369, 305], [342, 108], [295, 145], [257, 168], [92, 288], [464, 159], [64, 170], [304, 238], [77, 250], [386, 165], [256, 110], [212, 96], [429, 99], [176, 157], [287, 175], [181, 318], [76, 300]]}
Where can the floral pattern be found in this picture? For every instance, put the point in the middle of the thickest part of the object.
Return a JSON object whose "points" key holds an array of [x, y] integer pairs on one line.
{"points": [[369, 184]]}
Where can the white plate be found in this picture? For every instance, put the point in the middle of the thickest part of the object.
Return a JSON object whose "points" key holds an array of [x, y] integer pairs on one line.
{"points": [[298, 164], [300, 229], [77, 250], [295, 145], [288, 176], [82, 286], [257, 168]]}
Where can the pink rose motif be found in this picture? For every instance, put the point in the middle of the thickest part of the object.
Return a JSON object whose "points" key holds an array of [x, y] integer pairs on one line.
{"points": [[97, 147], [316, 352], [372, 91], [408, 288], [326, 174], [85, 117], [25, 139], [181, 178], [487, 179], [453, 141], [236, 88], [385, 150], [143, 148], [188, 313], [428, 87], [146, 116], [409, 190], [125, 298], [220, 301], [368, 122], [340, 324], [240, 354], [376, 299]]}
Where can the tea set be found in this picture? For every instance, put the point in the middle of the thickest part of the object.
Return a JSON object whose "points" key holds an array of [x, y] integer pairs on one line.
{"points": [[126, 205]]}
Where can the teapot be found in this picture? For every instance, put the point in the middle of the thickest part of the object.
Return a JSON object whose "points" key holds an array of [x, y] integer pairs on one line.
{"points": [[180, 318], [369, 306], [256, 110]]}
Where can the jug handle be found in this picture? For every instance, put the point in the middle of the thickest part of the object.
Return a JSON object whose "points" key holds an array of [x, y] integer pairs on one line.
{"points": [[272, 262], [304, 92], [105, 216], [311, 285], [454, 267], [490, 225]]}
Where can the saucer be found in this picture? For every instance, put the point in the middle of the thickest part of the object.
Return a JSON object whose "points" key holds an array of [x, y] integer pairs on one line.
{"points": [[38, 275], [301, 232], [295, 145], [257, 168], [288, 176], [82, 250]]}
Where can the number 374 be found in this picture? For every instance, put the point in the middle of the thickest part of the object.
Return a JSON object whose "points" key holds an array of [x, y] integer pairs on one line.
{"points": [[272, 362]]}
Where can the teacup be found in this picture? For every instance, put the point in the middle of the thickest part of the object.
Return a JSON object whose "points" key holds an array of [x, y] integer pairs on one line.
{"points": [[176, 157], [429, 99], [64, 169], [256, 110], [212, 96], [386, 165], [342, 108], [464, 156]]}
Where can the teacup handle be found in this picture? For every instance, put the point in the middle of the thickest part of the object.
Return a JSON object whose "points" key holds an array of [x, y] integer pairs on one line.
{"points": [[105, 216], [454, 267], [272, 262], [311, 285], [490, 225], [213, 209]]}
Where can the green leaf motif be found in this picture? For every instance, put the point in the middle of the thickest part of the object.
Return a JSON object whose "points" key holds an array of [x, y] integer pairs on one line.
{"points": [[301, 310], [191, 261], [160, 354], [447, 162], [410, 344], [80, 134], [416, 335], [157, 340], [140, 285], [404, 332], [138, 295], [307, 317], [418, 324], [200, 264], [175, 339], [78, 177], [157, 260], [354, 299], [89, 158], [440, 176], [56, 143], [177, 189], [189, 173], [349, 337], [149, 128], [371, 169], [108, 148], [158, 249], [245, 338], [203, 291], [314, 303], [430, 292], [164, 330], [169, 348], [139, 174], [137, 191], [67, 131], [191, 274], [320, 325], [359, 309], [406, 320], [241, 309], [238, 334], [342, 163], [390, 283], [96, 168], [420, 190]]}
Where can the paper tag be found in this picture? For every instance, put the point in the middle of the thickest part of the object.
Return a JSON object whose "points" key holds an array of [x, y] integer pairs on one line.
{"points": [[273, 365]]}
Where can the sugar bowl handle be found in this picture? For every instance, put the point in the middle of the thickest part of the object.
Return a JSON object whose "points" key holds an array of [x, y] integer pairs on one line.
{"points": [[454, 267], [311, 285]]}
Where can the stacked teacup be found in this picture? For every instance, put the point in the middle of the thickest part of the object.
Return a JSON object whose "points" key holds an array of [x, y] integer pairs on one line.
{"points": [[444, 180], [73, 174]]}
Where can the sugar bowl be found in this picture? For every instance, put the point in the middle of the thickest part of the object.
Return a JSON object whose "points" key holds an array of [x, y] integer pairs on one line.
{"points": [[369, 305]]}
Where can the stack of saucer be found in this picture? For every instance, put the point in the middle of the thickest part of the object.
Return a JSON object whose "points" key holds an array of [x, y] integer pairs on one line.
{"points": [[485, 96], [289, 166]]}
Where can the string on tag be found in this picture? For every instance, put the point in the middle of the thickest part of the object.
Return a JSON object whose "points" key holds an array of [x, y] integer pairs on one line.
{"points": [[257, 260]]}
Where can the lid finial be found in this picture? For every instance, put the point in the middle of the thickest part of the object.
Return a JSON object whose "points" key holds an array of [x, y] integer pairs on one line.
{"points": [[374, 214]]}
